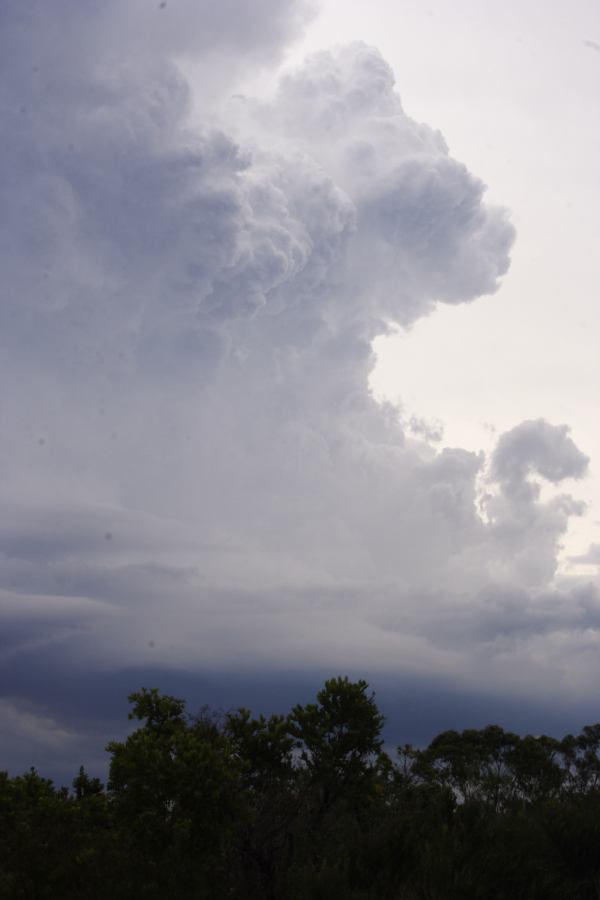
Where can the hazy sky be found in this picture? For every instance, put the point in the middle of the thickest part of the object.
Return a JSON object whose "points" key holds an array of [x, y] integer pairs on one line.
{"points": [[299, 360]]}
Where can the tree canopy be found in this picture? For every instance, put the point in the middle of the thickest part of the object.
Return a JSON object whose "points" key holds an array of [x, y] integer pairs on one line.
{"points": [[309, 805]]}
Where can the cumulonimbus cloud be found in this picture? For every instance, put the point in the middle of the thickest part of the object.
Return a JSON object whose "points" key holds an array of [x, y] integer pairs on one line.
{"points": [[189, 298]]}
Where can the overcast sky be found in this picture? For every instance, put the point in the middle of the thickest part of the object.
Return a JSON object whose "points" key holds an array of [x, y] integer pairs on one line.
{"points": [[299, 361]]}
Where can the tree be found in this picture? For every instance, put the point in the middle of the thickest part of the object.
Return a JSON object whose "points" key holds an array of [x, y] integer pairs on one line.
{"points": [[35, 820], [263, 748], [339, 736], [174, 786], [340, 779]]}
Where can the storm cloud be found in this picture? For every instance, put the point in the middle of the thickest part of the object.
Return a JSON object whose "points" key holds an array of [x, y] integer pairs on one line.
{"points": [[196, 475]]}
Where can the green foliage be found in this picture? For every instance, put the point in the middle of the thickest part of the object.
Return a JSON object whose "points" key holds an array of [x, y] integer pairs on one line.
{"points": [[306, 806], [339, 733], [174, 786]]}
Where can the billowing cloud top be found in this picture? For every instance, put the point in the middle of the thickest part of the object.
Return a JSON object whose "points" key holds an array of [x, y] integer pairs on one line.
{"points": [[195, 471]]}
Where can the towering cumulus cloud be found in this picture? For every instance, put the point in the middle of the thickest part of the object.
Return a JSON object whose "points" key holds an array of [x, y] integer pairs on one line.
{"points": [[196, 475]]}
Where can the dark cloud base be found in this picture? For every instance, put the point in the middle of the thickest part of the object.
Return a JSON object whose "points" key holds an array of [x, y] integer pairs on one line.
{"points": [[94, 707]]}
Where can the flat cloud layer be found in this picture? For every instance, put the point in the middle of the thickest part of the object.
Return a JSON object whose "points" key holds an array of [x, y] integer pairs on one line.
{"points": [[196, 475]]}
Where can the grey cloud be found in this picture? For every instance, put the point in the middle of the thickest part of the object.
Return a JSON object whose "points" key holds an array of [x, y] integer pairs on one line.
{"points": [[526, 531], [40, 37], [541, 643], [21, 724], [450, 483], [190, 295], [527, 534], [430, 210], [498, 614], [536, 447], [431, 431]]}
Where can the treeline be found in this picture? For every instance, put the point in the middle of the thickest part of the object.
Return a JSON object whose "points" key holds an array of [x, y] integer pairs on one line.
{"points": [[308, 806]]}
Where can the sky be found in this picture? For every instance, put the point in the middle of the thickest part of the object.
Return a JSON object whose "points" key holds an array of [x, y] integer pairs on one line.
{"points": [[298, 362]]}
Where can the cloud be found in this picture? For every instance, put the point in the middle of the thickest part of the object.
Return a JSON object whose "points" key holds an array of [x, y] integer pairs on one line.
{"points": [[506, 639], [197, 475], [593, 45], [431, 431], [423, 232], [28, 725], [536, 447], [590, 558]]}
